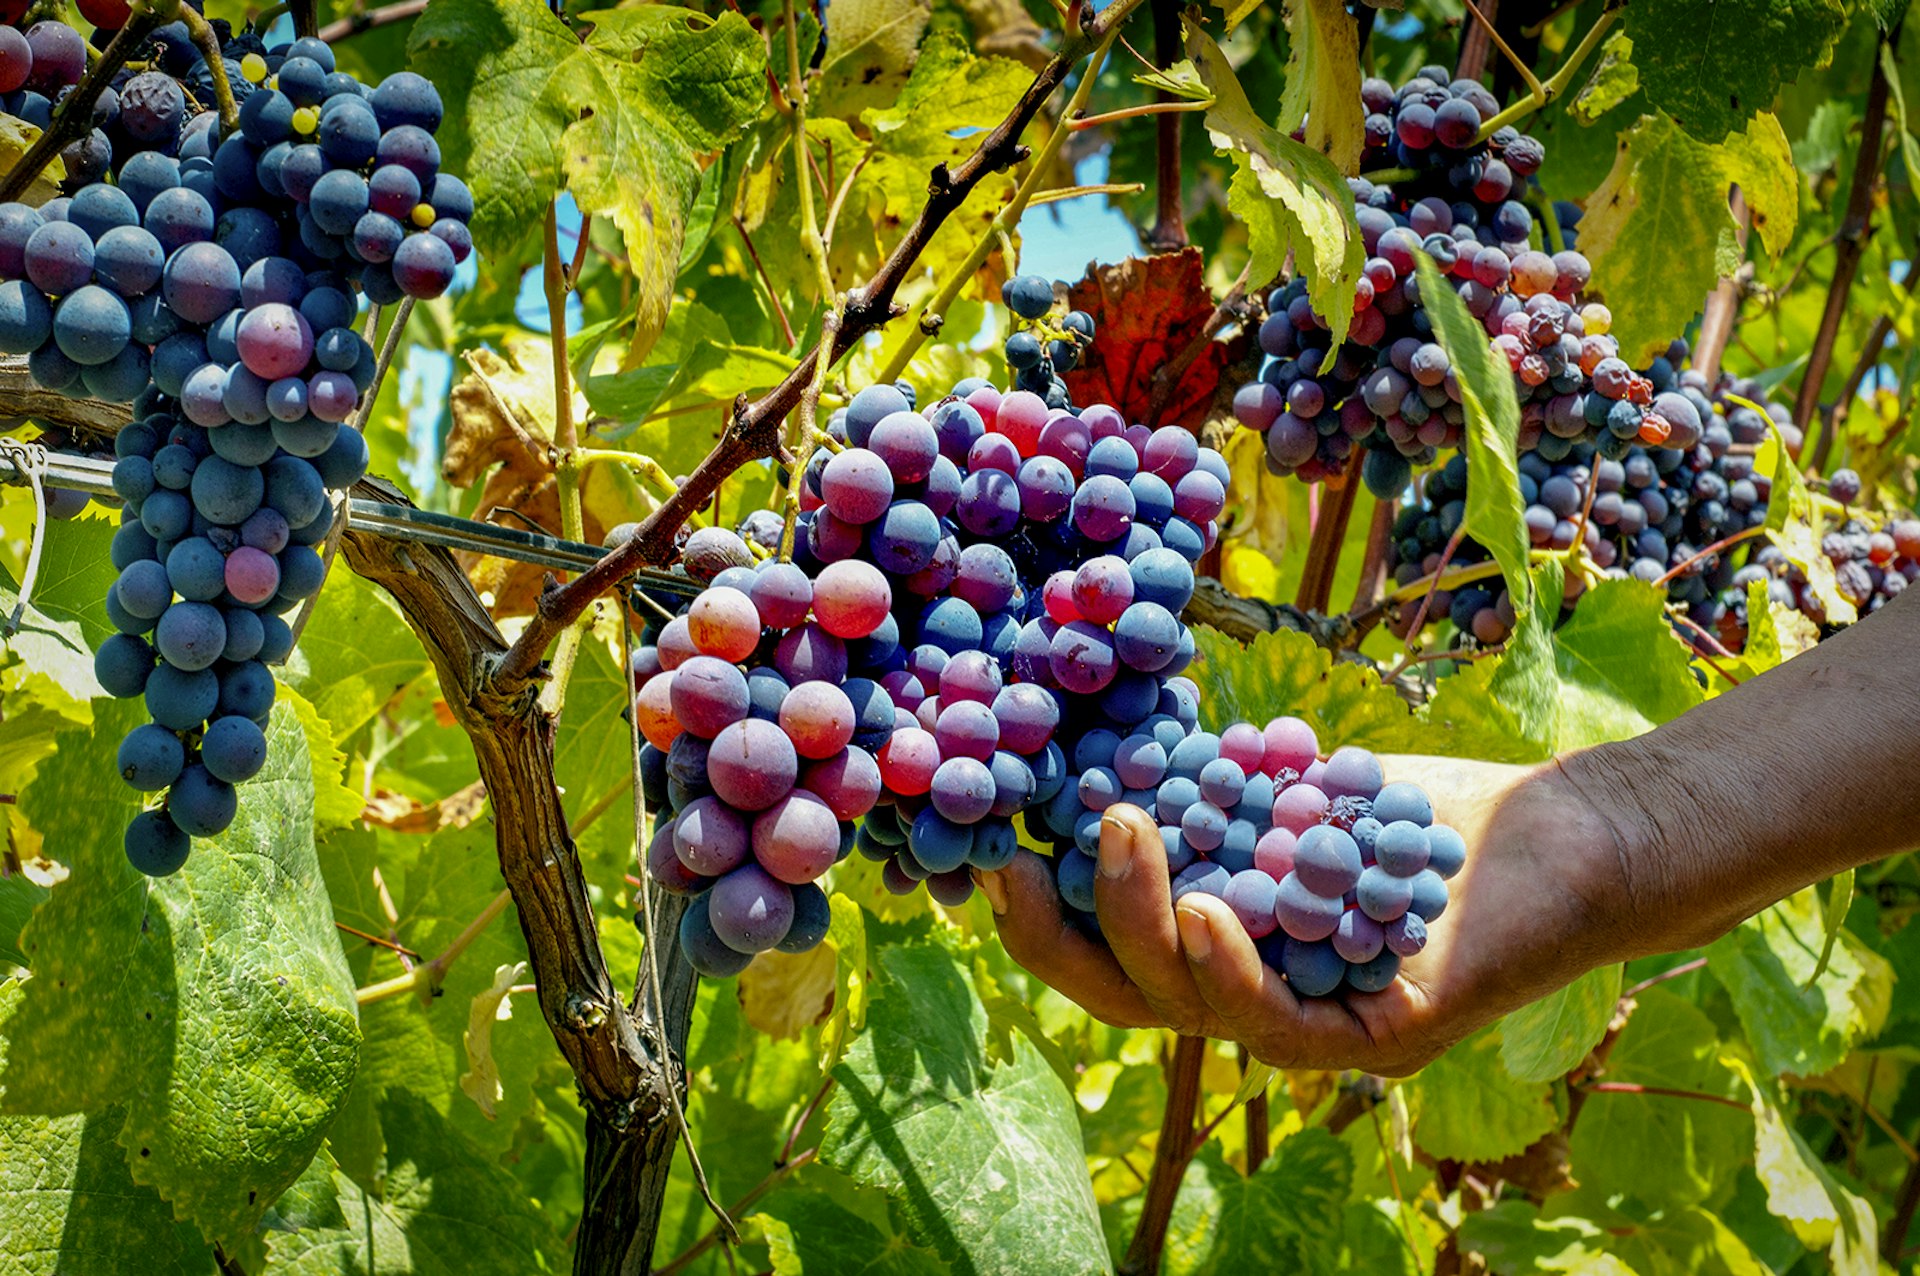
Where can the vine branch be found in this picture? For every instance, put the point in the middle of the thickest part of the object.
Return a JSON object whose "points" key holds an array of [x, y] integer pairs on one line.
{"points": [[74, 117], [752, 431], [1854, 229]]}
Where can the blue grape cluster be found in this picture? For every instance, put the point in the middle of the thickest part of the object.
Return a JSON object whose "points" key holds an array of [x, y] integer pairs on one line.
{"points": [[1390, 387], [1038, 352], [977, 634], [1654, 511], [213, 283]]}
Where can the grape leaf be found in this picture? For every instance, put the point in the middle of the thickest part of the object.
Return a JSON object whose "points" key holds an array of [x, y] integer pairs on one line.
{"points": [[1322, 86], [984, 1157], [443, 1208], [813, 1235], [1285, 1217], [1495, 513], [1659, 231], [1658, 1148], [355, 653], [848, 934], [1802, 1191], [871, 45], [1147, 310], [1290, 196], [1548, 1039], [216, 1003], [1767, 963], [1513, 1237], [1469, 1108], [1712, 66], [1614, 80], [1614, 671], [620, 121], [1287, 673], [68, 1204]]}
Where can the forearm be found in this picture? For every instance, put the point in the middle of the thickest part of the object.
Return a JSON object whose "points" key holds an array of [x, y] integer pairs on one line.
{"points": [[1812, 768]]}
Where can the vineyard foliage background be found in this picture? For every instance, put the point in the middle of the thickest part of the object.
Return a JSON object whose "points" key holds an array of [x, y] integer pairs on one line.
{"points": [[189, 1082]]}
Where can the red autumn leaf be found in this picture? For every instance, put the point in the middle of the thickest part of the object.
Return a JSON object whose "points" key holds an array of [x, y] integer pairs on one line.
{"points": [[1148, 312]]}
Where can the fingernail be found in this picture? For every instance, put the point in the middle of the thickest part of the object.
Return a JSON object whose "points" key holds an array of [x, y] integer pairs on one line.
{"points": [[1196, 936], [1116, 853], [994, 887]]}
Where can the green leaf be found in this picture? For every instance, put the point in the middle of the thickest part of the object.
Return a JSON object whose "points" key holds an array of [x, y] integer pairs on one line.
{"points": [[1711, 70], [1897, 115], [1658, 1148], [621, 121], [1285, 1217], [1513, 1238], [1615, 671], [1826, 139], [354, 656], [1495, 513], [1802, 1191], [335, 806], [1290, 196], [1470, 1108], [69, 1205], [66, 617], [1548, 1039], [1833, 919], [1792, 522], [847, 932], [985, 1158], [216, 1003], [1659, 232], [815, 1236], [871, 46], [443, 1208], [1794, 1024], [1284, 672], [1322, 85]]}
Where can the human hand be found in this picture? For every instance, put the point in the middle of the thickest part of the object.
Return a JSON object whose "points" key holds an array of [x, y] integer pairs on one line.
{"points": [[1533, 909]]}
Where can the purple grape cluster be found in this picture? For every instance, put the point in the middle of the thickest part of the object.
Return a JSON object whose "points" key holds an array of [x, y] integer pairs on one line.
{"points": [[213, 283], [1655, 514], [1390, 388], [1012, 659]]}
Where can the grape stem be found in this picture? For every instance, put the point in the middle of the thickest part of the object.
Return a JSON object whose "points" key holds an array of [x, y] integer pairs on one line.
{"points": [[1074, 192], [74, 117], [368, 19], [566, 443], [752, 430], [811, 244], [1177, 107], [1543, 93], [208, 43], [804, 431], [425, 978]]}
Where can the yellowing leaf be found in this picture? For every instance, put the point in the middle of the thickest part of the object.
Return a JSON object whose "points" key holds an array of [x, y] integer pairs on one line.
{"points": [[1323, 80], [1659, 231], [848, 935], [871, 45], [1801, 1191], [1290, 196], [784, 994], [481, 1081]]}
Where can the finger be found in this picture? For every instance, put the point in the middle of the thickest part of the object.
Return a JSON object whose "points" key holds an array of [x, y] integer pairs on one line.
{"points": [[1038, 935], [1254, 1004], [1133, 896]]}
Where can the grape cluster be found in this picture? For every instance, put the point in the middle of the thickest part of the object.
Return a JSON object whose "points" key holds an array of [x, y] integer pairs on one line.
{"points": [[211, 281], [1039, 352], [1655, 514], [1390, 387], [978, 632]]}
